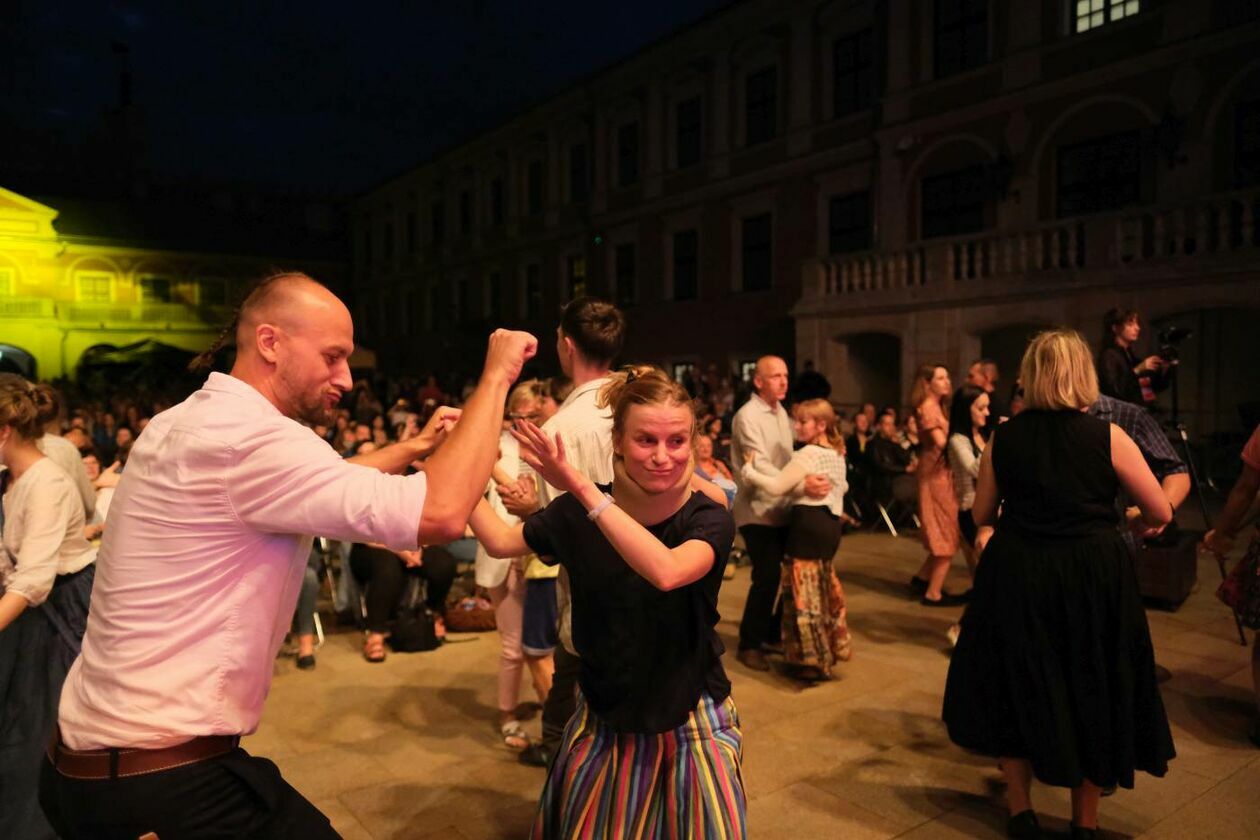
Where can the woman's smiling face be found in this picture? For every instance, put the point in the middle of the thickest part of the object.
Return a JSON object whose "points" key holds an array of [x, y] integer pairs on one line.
{"points": [[656, 445]]}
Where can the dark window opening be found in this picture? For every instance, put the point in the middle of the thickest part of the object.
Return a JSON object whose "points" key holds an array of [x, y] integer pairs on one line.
{"points": [[953, 202], [1247, 143], [465, 212], [849, 223], [761, 105], [534, 187], [1104, 173], [496, 201], [688, 132], [438, 222], [579, 183], [962, 35], [756, 251], [533, 292], [853, 65], [627, 154], [624, 271], [686, 265]]}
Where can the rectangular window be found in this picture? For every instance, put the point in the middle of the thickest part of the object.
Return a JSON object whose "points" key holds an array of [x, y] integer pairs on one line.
{"points": [[411, 231], [212, 292], [953, 202], [1104, 173], [496, 201], [576, 276], [686, 265], [624, 272], [155, 290], [687, 132], [437, 221], [853, 68], [756, 252], [627, 154], [387, 239], [6, 282], [761, 105], [494, 296], [849, 223], [1091, 14], [962, 35], [534, 187], [430, 304], [533, 292], [367, 244], [465, 212], [94, 287], [579, 177], [1247, 143]]}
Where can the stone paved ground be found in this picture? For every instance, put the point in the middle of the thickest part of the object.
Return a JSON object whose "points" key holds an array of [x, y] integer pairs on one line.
{"points": [[409, 749]]}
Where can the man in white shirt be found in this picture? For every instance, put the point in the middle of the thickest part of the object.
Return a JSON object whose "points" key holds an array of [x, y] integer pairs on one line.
{"points": [[588, 339], [762, 427], [201, 565]]}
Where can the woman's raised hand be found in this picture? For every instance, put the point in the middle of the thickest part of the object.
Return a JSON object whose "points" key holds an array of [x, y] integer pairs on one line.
{"points": [[545, 455]]}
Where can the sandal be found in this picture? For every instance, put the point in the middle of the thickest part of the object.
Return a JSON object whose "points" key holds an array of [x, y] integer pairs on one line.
{"points": [[514, 737], [374, 648]]}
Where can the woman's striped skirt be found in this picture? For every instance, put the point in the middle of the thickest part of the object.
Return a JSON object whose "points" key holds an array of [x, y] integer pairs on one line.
{"points": [[684, 783]]}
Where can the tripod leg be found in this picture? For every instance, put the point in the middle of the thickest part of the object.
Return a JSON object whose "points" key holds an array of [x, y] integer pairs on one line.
{"points": [[1207, 519]]}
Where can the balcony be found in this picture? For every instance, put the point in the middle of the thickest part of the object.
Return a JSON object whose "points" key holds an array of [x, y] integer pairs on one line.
{"points": [[1213, 235], [26, 308], [144, 315]]}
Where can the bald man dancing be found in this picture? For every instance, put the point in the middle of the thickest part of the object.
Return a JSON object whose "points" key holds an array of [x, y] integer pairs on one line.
{"points": [[199, 572]]}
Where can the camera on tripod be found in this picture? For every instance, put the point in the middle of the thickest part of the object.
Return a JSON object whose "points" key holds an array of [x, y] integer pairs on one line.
{"points": [[1169, 338]]}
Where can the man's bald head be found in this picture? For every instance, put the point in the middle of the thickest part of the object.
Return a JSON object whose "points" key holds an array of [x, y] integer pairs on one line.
{"points": [[770, 378], [292, 301], [293, 343]]}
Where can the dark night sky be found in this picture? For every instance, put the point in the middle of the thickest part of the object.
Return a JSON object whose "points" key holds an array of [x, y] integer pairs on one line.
{"points": [[329, 96]]}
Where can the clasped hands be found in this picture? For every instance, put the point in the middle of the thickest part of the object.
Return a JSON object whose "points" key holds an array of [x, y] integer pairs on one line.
{"points": [[816, 485]]}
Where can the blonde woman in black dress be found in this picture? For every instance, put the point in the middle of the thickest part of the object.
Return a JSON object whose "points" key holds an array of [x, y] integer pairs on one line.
{"points": [[1054, 673]]}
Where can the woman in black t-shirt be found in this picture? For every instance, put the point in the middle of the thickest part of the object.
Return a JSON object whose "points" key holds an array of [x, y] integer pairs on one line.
{"points": [[654, 748]]}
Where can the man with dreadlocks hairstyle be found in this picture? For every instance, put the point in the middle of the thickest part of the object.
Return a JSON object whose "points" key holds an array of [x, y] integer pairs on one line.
{"points": [[200, 569]]}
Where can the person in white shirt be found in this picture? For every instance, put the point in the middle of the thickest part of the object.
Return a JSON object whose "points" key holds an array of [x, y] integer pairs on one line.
{"points": [[588, 339], [203, 558], [761, 426], [66, 455], [815, 625], [45, 583]]}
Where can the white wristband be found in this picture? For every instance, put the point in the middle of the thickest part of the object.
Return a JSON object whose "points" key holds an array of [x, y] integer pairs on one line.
{"points": [[594, 512]]}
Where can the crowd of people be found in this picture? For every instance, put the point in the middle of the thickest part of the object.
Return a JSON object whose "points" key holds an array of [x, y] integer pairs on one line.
{"points": [[601, 510]]}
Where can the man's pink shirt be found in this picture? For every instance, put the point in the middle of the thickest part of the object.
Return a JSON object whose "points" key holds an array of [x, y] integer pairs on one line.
{"points": [[199, 571]]}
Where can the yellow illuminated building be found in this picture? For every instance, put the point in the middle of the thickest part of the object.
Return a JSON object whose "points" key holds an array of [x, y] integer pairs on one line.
{"points": [[63, 294]]}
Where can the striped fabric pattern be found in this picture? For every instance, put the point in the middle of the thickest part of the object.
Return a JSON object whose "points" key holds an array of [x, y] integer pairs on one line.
{"points": [[685, 783]]}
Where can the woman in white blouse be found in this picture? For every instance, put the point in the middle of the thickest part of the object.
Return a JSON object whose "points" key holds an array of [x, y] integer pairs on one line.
{"points": [[46, 580], [815, 625], [968, 416]]}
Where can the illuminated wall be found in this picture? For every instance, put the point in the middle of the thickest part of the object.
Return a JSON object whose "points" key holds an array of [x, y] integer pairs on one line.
{"points": [[60, 295]]}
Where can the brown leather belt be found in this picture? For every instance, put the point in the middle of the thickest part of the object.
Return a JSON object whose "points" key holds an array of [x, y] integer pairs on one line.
{"points": [[120, 763]]}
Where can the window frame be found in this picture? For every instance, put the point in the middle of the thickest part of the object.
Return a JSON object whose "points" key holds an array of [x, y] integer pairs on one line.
{"points": [[854, 73], [532, 292], [763, 255], [145, 299], [579, 187], [535, 174], [694, 263], [620, 275], [942, 181], [8, 282], [1095, 190], [628, 152], [693, 133], [958, 30], [861, 241], [1104, 10]]}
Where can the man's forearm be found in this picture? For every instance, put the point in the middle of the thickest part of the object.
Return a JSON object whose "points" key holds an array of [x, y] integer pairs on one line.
{"points": [[390, 459], [460, 468]]}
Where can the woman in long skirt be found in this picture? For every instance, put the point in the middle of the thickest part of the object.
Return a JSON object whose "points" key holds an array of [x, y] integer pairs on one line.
{"points": [[815, 617], [654, 747], [1054, 672], [46, 580]]}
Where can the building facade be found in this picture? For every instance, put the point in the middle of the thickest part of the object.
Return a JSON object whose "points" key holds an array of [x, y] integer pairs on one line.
{"points": [[64, 293], [867, 185]]}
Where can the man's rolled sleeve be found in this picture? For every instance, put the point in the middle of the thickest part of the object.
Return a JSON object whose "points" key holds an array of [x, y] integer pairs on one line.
{"points": [[291, 482]]}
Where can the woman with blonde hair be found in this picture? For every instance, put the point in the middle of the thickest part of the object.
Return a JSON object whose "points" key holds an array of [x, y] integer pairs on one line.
{"points": [[938, 507], [1054, 673], [815, 623], [654, 747], [46, 573]]}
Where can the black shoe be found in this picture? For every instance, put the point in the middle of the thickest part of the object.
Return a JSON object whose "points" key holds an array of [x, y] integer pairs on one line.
{"points": [[946, 600], [918, 585], [535, 755], [1082, 833], [307, 662], [1108, 790], [1023, 824]]}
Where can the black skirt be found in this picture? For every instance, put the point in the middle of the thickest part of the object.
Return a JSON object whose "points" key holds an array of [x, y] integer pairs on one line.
{"points": [[1054, 662], [813, 532]]}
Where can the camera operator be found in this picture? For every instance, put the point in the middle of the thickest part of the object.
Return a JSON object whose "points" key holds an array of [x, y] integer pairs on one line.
{"points": [[1120, 373]]}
